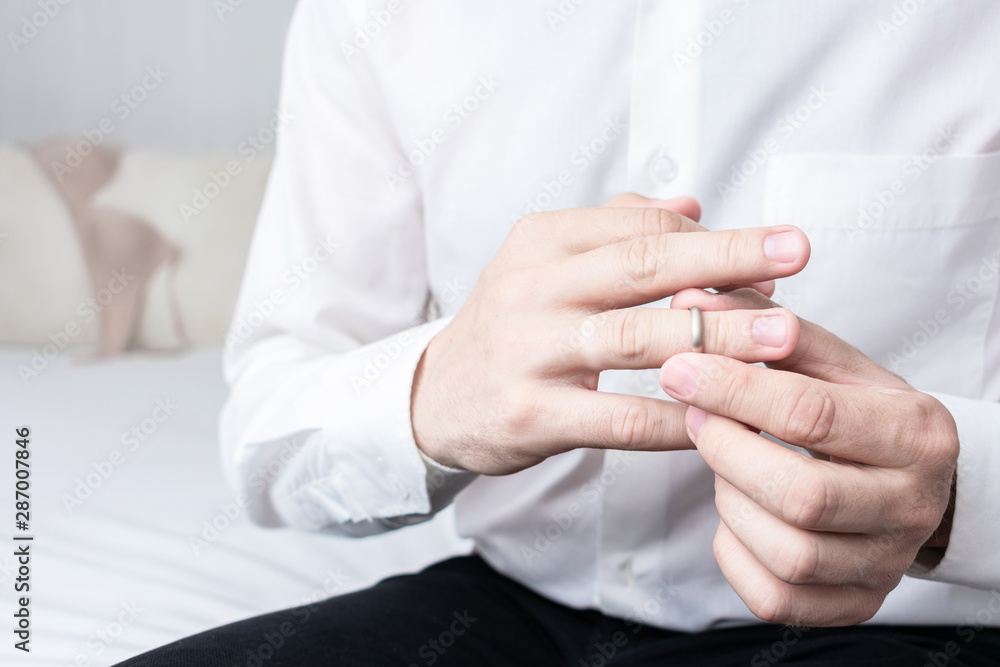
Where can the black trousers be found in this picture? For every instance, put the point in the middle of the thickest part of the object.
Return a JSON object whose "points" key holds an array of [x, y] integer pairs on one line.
{"points": [[463, 613]]}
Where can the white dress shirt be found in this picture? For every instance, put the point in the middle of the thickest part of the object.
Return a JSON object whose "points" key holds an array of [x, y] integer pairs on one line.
{"points": [[420, 132]]}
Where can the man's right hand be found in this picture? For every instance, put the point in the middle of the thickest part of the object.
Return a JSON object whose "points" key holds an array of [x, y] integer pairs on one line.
{"points": [[513, 378]]}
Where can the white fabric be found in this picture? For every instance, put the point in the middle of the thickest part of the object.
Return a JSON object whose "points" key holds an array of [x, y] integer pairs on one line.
{"points": [[128, 545], [416, 152]]}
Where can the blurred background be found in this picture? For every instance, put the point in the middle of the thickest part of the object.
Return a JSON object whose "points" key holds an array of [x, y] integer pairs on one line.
{"points": [[135, 143]]}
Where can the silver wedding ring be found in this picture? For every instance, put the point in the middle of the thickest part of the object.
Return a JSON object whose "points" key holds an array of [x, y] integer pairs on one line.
{"points": [[697, 329]]}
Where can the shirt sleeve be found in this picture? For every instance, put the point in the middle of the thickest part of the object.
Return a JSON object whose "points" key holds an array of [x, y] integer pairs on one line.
{"points": [[329, 325], [970, 557]]}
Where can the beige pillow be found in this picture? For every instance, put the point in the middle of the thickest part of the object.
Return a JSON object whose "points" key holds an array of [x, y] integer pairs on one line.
{"points": [[121, 251], [206, 206]]}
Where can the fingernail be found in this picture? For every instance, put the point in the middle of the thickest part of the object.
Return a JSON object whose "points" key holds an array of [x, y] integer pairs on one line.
{"points": [[695, 420], [678, 377], [771, 331], [783, 247]]}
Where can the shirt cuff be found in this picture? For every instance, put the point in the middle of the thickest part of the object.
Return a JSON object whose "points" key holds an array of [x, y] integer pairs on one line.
{"points": [[444, 482], [970, 557], [364, 464]]}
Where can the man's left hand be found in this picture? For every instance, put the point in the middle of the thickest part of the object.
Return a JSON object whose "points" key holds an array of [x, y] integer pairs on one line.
{"points": [[814, 541]]}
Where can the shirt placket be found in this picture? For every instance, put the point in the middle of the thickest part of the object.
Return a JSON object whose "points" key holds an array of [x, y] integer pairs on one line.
{"points": [[661, 164]]}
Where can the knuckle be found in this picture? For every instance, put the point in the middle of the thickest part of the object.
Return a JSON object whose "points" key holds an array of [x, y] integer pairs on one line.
{"points": [[926, 503], [659, 220], [723, 334], [807, 501], [642, 259], [938, 431], [797, 561], [526, 227], [810, 417], [865, 606], [520, 417], [630, 425], [730, 253], [773, 606], [926, 521], [735, 386], [714, 446], [628, 334]]}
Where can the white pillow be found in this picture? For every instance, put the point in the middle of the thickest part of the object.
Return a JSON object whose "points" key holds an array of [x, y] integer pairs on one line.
{"points": [[44, 283]]}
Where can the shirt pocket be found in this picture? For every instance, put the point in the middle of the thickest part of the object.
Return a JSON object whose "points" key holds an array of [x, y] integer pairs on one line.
{"points": [[905, 253]]}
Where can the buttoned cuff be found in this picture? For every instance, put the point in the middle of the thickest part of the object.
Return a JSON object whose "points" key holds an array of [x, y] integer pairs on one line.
{"points": [[364, 465], [970, 558]]}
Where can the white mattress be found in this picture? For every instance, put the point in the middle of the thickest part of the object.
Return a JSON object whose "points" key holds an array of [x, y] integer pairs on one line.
{"points": [[126, 549]]}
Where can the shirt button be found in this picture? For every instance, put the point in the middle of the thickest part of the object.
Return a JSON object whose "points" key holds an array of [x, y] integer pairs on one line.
{"points": [[664, 168]]}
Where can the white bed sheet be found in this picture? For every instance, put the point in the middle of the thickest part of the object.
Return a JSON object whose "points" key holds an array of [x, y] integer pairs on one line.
{"points": [[124, 554]]}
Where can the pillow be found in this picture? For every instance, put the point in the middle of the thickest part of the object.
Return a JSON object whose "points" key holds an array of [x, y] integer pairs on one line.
{"points": [[121, 251], [44, 281], [134, 250], [206, 207]]}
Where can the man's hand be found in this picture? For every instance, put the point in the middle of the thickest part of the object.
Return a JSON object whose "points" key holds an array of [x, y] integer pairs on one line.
{"points": [[512, 379], [814, 541]]}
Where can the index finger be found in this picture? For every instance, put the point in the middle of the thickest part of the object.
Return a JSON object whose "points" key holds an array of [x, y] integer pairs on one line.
{"points": [[573, 231], [649, 268], [820, 416]]}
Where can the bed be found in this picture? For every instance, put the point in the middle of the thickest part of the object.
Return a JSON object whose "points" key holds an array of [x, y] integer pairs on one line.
{"points": [[136, 549]]}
